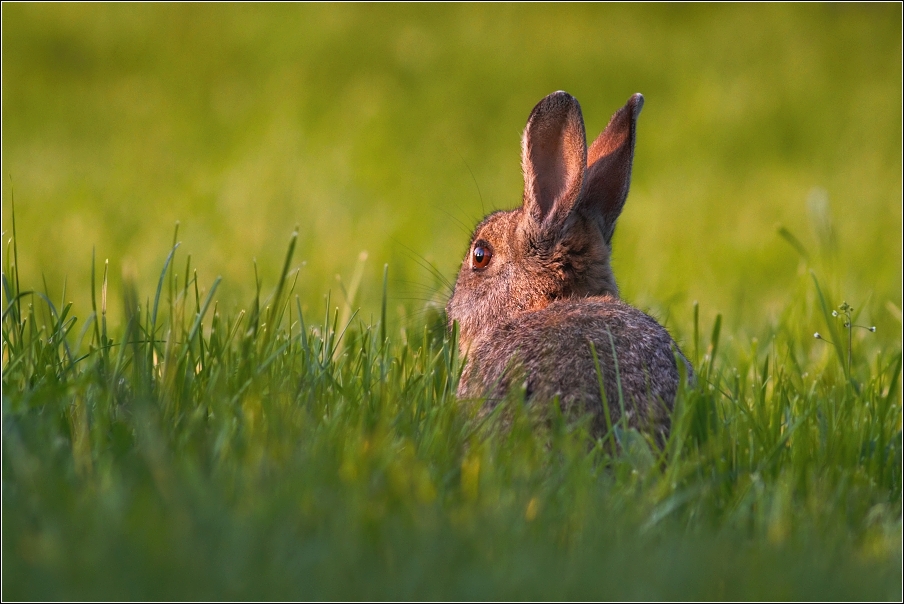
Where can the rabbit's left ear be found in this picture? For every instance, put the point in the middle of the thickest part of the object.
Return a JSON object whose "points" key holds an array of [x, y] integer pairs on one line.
{"points": [[553, 159], [609, 164]]}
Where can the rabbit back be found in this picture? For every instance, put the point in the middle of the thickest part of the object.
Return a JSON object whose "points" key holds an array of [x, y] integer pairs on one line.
{"points": [[548, 353]]}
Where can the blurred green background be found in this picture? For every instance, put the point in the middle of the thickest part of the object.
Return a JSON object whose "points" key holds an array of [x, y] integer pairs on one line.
{"points": [[394, 128]]}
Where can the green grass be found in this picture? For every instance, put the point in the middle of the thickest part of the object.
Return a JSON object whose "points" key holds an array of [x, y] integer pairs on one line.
{"points": [[269, 455], [274, 433]]}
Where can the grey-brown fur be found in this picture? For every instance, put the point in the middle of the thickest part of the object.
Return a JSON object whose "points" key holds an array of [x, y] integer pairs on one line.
{"points": [[527, 318]]}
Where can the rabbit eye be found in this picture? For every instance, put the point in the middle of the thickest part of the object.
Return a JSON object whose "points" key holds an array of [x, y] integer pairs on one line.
{"points": [[480, 257]]}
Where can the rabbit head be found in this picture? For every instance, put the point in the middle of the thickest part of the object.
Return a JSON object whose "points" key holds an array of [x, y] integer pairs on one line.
{"points": [[557, 244]]}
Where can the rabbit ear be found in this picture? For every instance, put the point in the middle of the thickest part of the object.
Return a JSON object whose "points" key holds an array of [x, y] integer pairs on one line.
{"points": [[553, 158], [609, 166]]}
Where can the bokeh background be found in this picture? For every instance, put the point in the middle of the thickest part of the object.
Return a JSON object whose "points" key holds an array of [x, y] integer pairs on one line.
{"points": [[392, 129]]}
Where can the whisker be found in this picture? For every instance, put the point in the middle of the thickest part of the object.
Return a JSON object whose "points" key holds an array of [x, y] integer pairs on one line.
{"points": [[461, 224], [426, 264], [433, 301], [422, 288], [471, 172]]}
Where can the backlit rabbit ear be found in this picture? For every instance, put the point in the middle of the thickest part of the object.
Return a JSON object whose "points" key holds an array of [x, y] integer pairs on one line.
{"points": [[609, 166], [553, 158]]}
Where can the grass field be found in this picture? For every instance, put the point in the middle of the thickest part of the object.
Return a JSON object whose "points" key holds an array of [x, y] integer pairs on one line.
{"points": [[224, 419]]}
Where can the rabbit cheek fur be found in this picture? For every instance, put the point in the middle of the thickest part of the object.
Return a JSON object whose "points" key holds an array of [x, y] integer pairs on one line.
{"points": [[529, 316]]}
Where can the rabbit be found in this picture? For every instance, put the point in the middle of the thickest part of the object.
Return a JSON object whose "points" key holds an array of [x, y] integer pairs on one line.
{"points": [[536, 287]]}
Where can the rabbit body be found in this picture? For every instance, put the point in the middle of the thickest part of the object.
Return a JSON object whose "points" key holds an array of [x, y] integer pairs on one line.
{"points": [[536, 288], [547, 352]]}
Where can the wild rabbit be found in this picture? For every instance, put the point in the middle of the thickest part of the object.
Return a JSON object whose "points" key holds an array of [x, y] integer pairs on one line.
{"points": [[536, 287]]}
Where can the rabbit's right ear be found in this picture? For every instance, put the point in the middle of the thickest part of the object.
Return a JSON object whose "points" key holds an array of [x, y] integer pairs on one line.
{"points": [[553, 159], [609, 164]]}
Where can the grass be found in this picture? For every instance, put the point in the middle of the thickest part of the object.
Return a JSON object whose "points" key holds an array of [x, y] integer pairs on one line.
{"points": [[277, 434], [268, 455]]}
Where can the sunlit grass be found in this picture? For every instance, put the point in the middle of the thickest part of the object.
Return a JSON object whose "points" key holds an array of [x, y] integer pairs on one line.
{"points": [[269, 454]]}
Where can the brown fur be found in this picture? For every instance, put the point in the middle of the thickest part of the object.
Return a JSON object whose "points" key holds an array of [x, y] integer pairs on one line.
{"points": [[529, 316]]}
